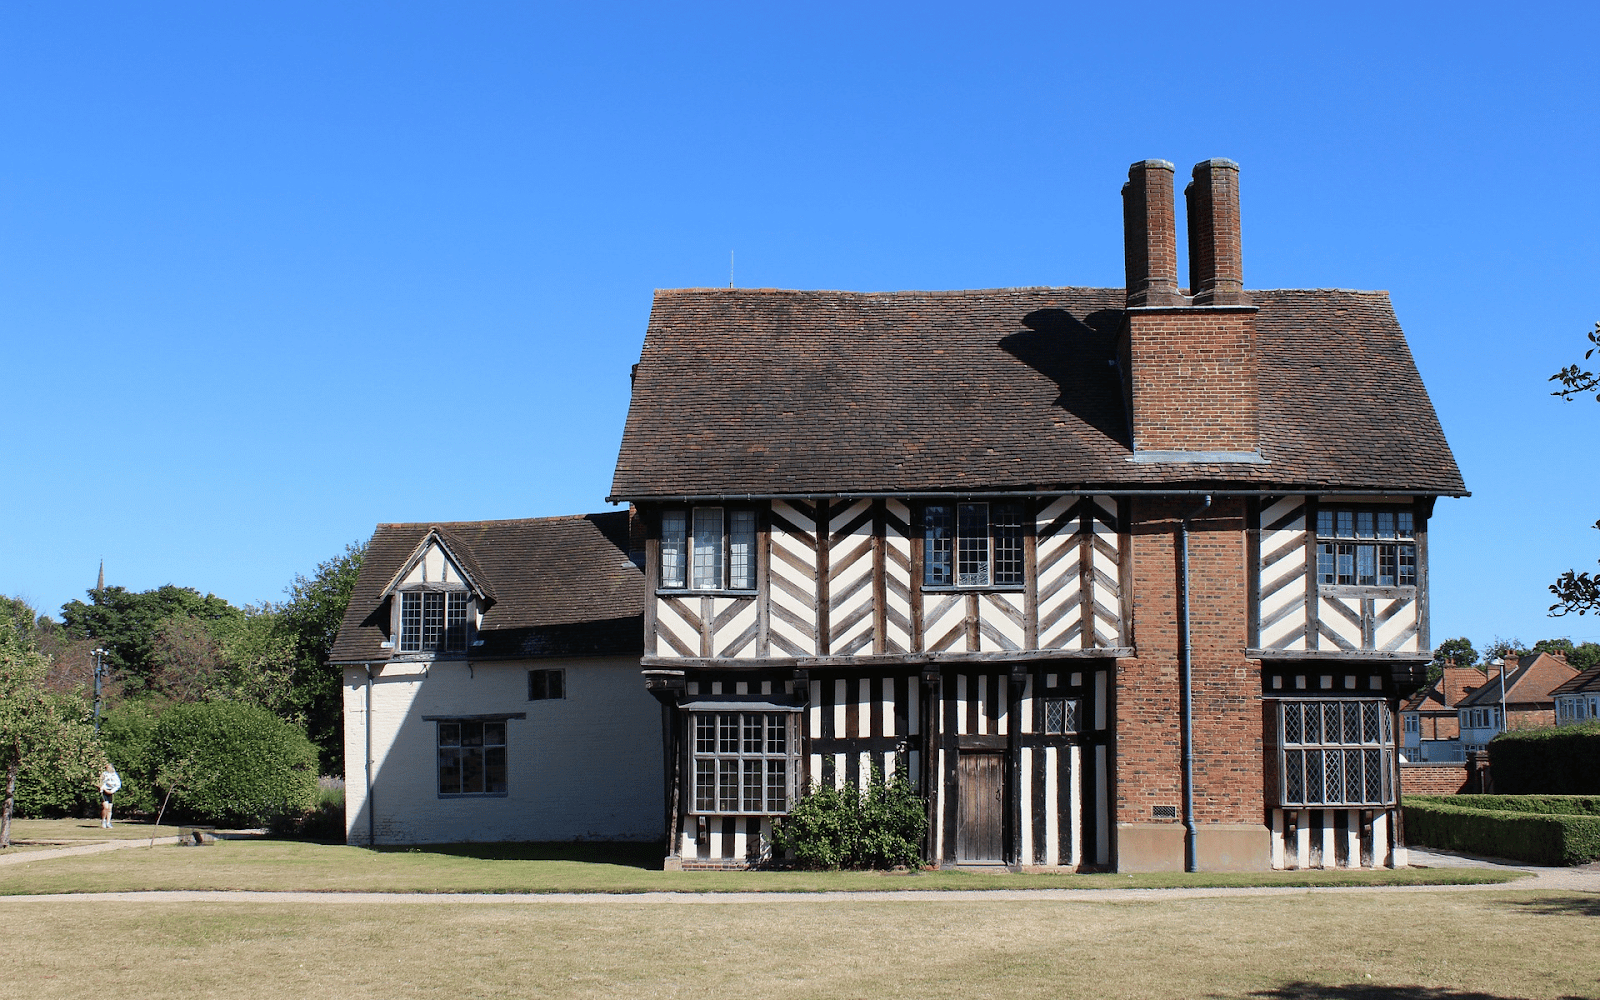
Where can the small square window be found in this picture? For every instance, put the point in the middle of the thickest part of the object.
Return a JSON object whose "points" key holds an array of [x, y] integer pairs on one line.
{"points": [[547, 685]]}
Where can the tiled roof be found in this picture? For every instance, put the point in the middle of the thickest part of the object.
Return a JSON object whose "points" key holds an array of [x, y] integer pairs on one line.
{"points": [[1530, 680], [1584, 683], [1445, 693], [770, 392], [562, 586]]}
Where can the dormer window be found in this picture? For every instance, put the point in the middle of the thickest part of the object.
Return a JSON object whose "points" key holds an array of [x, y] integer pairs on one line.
{"points": [[433, 621]]}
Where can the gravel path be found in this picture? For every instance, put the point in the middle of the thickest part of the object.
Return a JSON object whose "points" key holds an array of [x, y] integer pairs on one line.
{"points": [[99, 847]]}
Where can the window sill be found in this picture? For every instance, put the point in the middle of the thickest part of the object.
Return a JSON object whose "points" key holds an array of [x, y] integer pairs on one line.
{"points": [[665, 592], [1352, 590], [1006, 588], [473, 795], [734, 812]]}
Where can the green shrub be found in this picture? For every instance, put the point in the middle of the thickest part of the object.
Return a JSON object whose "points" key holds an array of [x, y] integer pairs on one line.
{"points": [[322, 823], [232, 764], [1555, 760], [1539, 838], [58, 776], [879, 826], [125, 735]]}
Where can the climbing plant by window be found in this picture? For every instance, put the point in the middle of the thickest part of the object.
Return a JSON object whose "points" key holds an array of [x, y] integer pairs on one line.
{"points": [[972, 544]]}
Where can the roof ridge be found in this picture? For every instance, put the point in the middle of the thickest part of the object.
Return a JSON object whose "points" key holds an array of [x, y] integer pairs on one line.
{"points": [[505, 520]]}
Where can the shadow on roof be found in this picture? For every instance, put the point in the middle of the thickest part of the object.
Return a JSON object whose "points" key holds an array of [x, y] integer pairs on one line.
{"points": [[1076, 355]]}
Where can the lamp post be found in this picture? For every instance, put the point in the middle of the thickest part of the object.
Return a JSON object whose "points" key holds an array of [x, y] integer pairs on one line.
{"points": [[99, 670]]}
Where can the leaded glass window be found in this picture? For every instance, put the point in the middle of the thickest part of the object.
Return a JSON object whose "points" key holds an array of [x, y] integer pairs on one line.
{"points": [[744, 762], [708, 548], [972, 544], [1335, 752], [1366, 547]]}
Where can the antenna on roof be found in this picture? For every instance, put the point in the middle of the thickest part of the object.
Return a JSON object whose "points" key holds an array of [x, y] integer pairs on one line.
{"points": [[730, 268]]}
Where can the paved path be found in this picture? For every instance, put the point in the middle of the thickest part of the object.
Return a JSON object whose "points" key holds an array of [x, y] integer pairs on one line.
{"points": [[1583, 879], [98, 847]]}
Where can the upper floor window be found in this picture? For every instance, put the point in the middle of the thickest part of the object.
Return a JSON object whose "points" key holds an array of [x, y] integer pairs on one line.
{"points": [[1410, 721], [1361, 546], [433, 620], [972, 545], [708, 548], [1480, 718]]}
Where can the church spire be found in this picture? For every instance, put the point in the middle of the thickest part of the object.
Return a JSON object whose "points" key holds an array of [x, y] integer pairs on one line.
{"points": [[101, 584]]}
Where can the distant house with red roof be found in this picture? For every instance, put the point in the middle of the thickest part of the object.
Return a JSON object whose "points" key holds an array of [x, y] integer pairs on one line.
{"points": [[1430, 720]]}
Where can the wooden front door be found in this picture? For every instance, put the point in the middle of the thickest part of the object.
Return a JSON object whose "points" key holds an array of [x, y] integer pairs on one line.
{"points": [[982, 792]]}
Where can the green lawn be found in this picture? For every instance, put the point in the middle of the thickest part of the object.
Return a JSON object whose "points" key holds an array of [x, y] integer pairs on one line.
{"points": [[1426, 946], [71, 832], [289, 865]]}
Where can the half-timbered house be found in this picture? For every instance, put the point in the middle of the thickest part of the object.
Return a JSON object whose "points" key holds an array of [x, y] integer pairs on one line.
{"points": [[1125, 578]]}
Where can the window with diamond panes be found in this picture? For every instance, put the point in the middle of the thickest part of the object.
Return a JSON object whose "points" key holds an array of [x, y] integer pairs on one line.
{"points": [[1366, 547], [1061, 715], [432, 620], [1336, 753], [972, 545], [744, 762]]}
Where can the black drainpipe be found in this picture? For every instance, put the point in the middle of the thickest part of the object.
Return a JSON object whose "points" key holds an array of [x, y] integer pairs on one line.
{"points": [[1185, 655]]}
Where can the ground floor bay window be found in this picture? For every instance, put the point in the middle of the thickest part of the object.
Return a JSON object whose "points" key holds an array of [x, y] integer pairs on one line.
{"points": [[744, 763], [1332, 782]]}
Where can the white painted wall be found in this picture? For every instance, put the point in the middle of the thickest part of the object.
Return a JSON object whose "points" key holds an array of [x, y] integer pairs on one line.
{"points": [[585, 767]]}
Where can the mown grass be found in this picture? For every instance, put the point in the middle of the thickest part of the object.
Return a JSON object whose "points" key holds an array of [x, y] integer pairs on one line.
{"points": [[1438, 946], [277, 865], [71, 831]]}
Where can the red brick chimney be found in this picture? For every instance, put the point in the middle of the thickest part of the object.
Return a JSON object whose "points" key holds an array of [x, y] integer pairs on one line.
{"points": [[1216, 274], [1190, 367], [1150, 235]]}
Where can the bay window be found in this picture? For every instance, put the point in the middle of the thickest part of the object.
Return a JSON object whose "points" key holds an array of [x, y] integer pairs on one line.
{"points": [[1335, 752], [744, 762]]}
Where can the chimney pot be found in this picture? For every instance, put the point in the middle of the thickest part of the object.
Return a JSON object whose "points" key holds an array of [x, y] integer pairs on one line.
{"points": [[1216, 272], [1150, 239]]}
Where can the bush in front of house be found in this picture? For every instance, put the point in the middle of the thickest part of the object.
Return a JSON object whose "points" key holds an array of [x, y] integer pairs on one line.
{"points": [[879, 826], [1538, 837], [1554, 760], [231, 764]]}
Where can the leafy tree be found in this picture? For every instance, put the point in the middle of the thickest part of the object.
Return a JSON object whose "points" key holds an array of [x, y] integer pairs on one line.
{"points": [[1581, 656], [126, 623], [1455, 653], [38, 729], [1576, 591], [1504, 649], [310, 620]]}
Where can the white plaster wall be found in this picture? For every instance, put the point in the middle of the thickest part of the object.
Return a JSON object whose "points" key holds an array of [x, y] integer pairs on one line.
{"points": [[586, 767]]}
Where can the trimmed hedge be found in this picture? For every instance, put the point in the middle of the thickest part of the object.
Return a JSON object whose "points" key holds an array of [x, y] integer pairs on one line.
{"points": [[1520, 833], [1545, 805], [1555, 760]]}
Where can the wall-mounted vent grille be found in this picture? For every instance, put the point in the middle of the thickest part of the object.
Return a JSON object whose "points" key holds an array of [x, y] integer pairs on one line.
{"points": [[1164, 812]]}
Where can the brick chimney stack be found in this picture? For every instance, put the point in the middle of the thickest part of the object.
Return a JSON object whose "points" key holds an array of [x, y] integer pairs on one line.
{"points": [[1216, 273], [1150, 235], [1189, 366]]}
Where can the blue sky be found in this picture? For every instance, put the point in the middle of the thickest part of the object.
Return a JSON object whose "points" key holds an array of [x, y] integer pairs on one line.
{"points": [[272, 273]]}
